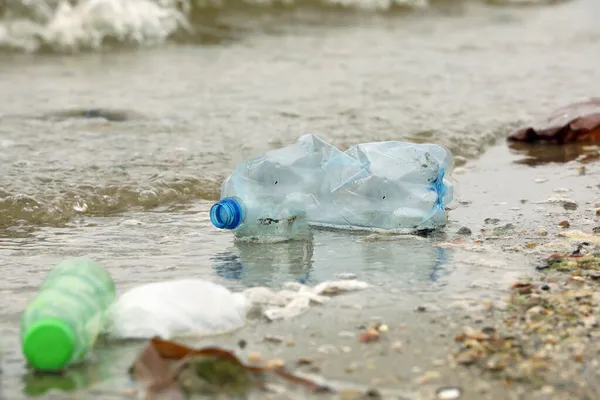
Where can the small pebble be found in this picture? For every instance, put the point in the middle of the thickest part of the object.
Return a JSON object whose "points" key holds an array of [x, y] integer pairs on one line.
{"points": [[420, 309], [598, 212], [347, 276], [383, 328], [464, 231], [304, 361], [254, 357], [273, 339], [545, 287], [541, 180], [371, 335], [328, 349], [596, 229], [428, 377], [459, 161], [564, 224], [242, 344], [346, 334], [581, 170], [397, 346], [275, 363], [448, 393]]}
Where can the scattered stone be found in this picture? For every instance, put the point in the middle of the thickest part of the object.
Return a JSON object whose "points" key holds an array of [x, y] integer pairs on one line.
{"points": [[569, 205], [565, 224], [448, 393], [304, 361], [242, 344], [254, 357], [421, 309], [541, 180], [328, 349], [464, 231], [347, 276], [273, 339], [561, 190], [373, 394], [383, 328], [542, 231], [346, 334], [492, 221], [596, 230], [522, 287], [459, 161], [371, 335], [276, 363], [545, 287], [428, 377], [350, 368], [598, 212], [581, 170], [397, 346]]}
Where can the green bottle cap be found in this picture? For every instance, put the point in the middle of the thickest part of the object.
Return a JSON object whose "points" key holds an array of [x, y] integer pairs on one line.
{"points": [[49, 344]]}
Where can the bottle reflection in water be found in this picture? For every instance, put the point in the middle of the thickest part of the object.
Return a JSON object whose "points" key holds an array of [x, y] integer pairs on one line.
{"points": [[266, 264]]}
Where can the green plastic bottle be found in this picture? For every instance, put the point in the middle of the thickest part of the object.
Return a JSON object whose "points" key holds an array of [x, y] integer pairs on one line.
{"points": [[60, 326]]}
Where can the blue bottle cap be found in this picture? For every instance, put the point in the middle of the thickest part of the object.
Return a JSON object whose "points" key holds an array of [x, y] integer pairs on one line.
{"points": [[227, 213]]}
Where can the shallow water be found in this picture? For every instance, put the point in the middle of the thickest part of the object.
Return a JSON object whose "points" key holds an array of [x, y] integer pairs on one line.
{"points": [[133, 190]]}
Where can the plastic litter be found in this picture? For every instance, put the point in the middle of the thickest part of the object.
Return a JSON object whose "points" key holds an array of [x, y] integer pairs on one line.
{"points": [[383, 186], [177, 308], [60, 325]]}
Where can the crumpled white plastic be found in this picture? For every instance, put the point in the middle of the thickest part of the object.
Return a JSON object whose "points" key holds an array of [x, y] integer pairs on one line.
{"points": [[202, 308], [177, 308]]}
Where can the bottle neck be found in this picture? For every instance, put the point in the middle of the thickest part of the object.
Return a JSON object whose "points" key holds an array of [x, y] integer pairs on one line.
{"points": [[228, 213]]}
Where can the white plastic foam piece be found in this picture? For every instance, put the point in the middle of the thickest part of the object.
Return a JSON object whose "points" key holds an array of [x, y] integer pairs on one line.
{"points": [[177, 308], [295, 299], [194, 307]]}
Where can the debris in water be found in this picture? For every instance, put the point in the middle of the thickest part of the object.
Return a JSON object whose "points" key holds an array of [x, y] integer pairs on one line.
{"points": [[448, 393], [578, 122], [337, 287], [254, 357], [273, 339], [565, 224], [581, 236], [207, 371], [464, 231], [371, 335]]}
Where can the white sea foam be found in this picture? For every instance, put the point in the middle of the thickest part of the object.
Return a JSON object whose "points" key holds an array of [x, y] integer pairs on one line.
{"points": [[71, 26]]}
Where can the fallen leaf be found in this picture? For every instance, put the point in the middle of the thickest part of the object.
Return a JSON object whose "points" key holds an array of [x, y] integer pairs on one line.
{"points": [[209, 368], [578, 122]]}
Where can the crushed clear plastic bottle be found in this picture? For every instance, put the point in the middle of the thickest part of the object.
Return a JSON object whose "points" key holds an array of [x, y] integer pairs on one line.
{"points": [[269, 197], [401, 187], [381, 186]]}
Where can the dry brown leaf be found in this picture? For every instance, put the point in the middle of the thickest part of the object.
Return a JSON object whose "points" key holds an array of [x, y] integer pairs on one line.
{"points": [[578, 122], [151, 368]]}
